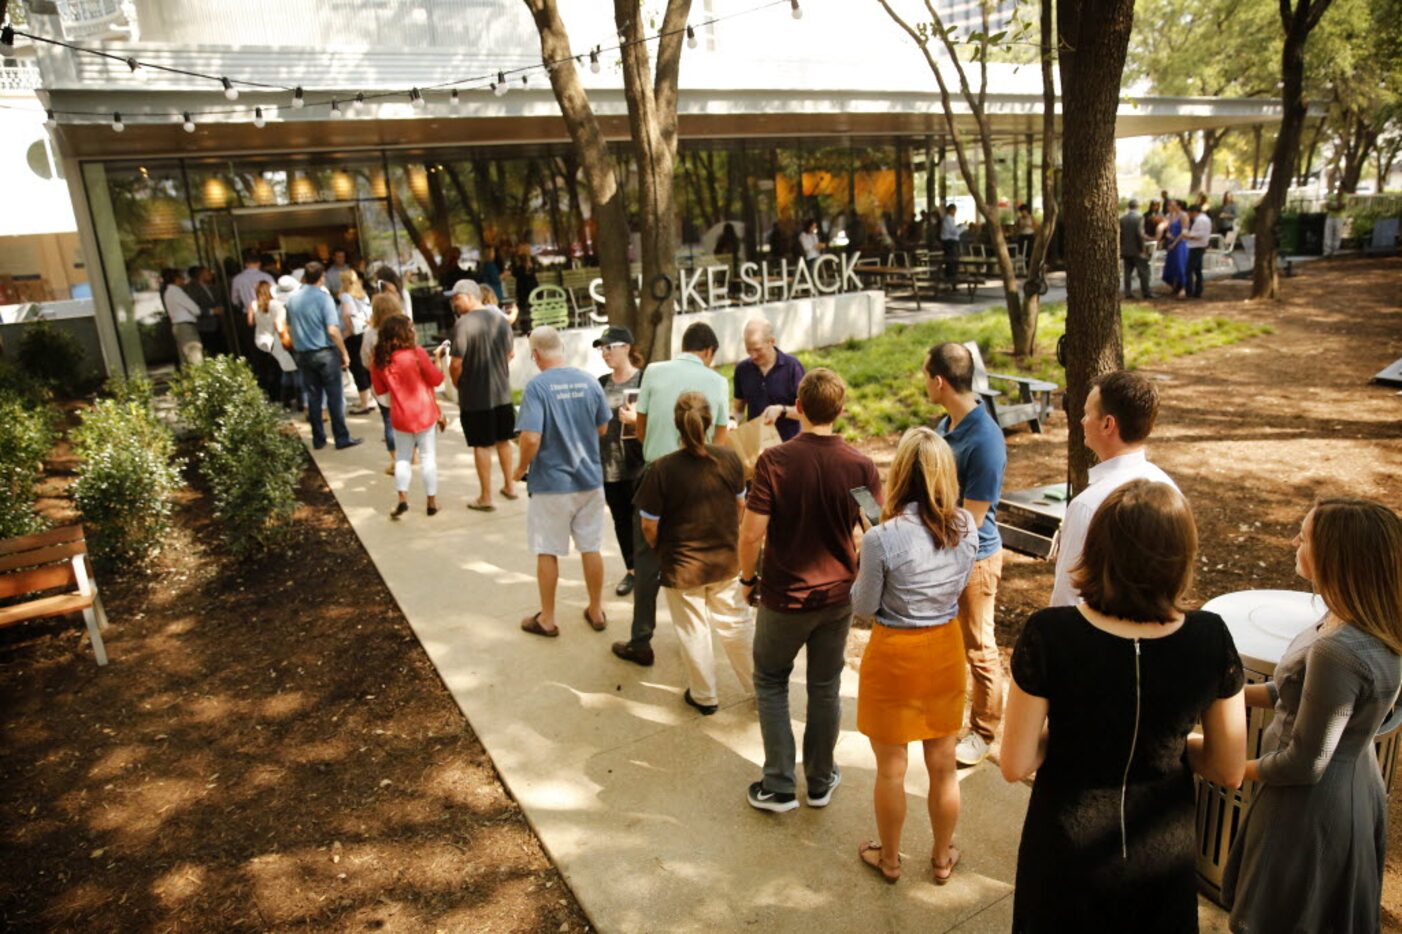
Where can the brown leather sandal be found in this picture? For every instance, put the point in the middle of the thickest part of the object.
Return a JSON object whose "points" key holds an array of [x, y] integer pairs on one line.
{"points": [[870, 853], [532, 625], [943, 873], [599, 626]]}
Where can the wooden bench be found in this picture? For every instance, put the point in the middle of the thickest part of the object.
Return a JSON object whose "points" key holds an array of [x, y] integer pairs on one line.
{"points": [[49, 573], [1033, 404]]}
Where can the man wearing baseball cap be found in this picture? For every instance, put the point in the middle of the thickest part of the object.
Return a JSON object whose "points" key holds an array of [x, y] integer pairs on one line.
{"points": [[619, 448]]}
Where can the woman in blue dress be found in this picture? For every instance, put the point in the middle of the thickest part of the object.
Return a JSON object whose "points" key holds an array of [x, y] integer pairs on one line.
{"points": [[1175, 263]]}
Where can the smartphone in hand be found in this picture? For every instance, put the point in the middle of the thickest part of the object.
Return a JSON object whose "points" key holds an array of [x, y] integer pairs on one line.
{"points": [[867, 503]]}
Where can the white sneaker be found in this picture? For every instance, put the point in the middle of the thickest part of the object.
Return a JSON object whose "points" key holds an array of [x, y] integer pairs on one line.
{"points": [[971, 750]]}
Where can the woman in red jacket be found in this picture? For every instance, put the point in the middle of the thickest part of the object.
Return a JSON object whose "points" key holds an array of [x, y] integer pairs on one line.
{"points": [[402, 369]]}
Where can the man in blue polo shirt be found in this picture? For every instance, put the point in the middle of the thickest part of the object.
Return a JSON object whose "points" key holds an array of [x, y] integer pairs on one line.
{"points": [[321, 355], [980, 457], [766, 385]]}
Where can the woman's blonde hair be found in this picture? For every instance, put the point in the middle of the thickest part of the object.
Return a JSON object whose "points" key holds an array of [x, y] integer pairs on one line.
{"points": [[1356, 551], [384, 306], [693, 419], [351, 282], [923, 473], [260, 300]]}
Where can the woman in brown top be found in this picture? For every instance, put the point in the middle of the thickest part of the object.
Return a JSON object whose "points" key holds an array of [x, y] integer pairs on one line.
{"points": [[690, 504]]}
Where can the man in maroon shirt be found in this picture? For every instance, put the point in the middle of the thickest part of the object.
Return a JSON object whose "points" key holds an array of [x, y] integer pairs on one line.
{"points": [[801, 510]]}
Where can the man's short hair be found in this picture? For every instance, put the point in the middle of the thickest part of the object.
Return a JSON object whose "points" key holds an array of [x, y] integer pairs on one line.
{"points": [[195, 270], [312, 272], [762, 325], [949, 209], [699, 338], [1134, 204], [546, 341], [1194, 208], [952, 363], [339, 249], [822, 394], [1132, 399], [250, 255]]}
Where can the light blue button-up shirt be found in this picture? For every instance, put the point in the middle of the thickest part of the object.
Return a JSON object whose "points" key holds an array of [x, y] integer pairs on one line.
{"points": [[904, 580]]}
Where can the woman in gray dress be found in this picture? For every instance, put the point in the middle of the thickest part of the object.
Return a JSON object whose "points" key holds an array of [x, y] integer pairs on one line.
{"points": [[1310, 854]]}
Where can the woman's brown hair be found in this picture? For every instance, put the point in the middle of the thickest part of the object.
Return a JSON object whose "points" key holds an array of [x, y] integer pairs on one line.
{"points": [[1138, 557], [397, 333], [693, 419], [923, 473], [382, 306], [1356, 551]]}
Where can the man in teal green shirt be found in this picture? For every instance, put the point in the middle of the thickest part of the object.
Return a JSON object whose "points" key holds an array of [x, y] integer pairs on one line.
{"points": [[663, 384]]}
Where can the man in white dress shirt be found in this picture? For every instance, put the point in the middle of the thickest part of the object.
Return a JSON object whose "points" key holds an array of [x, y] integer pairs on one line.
{"points": [[1120, 413]]}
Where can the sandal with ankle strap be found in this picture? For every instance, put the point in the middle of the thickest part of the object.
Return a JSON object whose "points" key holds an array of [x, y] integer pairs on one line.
{"points": [[892, 876], [943, 873]]}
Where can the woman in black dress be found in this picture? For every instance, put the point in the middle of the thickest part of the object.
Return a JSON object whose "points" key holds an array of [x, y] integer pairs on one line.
{"points": [[1103, 699]]}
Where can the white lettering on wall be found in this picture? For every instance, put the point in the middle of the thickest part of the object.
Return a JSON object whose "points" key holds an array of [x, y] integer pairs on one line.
{"points": [[829, 275]]}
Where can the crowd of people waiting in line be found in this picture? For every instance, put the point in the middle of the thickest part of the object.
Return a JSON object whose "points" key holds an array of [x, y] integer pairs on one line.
{"points": [[1108, 683]]}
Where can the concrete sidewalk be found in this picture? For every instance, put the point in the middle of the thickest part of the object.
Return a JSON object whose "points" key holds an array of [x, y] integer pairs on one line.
{"points": [[639, 800]]}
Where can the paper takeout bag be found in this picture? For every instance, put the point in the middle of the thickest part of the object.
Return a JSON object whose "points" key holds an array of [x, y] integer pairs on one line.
{"points": [[750, 439]]}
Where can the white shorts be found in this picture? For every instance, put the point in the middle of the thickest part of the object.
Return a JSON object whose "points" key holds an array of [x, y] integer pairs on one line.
{"points": [[552, 518]]}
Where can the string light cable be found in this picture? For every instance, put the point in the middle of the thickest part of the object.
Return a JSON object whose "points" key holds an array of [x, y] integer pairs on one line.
{"points": [[498, 81]]}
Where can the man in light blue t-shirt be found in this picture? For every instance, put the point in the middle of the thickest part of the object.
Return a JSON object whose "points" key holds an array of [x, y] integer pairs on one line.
{"points": [[563, 413]]}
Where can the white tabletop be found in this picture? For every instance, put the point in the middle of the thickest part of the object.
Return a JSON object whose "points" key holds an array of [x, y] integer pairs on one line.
{"points": [[1264, 622]]}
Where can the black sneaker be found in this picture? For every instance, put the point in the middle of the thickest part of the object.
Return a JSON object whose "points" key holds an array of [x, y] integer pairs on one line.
{"points": [[820, 798], [770, 800], [349, 444], [706, 709]]}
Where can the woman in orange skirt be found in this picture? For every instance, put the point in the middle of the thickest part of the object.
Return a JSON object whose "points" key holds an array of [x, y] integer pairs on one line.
{"points": [[913, 567]]}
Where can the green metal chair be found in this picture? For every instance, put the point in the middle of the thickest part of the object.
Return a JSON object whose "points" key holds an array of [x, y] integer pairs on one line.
{"points": [[550, 305]]}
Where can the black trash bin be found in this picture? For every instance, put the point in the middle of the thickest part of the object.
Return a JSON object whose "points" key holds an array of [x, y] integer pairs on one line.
{"points": [[1312, 234]]}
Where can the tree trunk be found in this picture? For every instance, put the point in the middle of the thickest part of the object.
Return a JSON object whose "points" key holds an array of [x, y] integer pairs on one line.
{"points": [[1093, 38], [1256, 158], [1265, 282], [652, 116], [1200, 165], [610, 213], [1307, 157], [1023, 328], [1358, 143], [1037, 262]]}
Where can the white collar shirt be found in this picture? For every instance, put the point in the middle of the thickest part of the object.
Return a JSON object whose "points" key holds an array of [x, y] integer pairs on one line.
{"points": [[180, 306], [1199, 232], [1105, 478], [244, 286]]}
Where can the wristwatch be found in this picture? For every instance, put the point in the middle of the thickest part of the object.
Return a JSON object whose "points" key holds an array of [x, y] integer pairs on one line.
{"points": [[749, 581]]}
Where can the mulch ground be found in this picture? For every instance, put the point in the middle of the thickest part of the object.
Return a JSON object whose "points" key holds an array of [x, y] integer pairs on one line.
{"points": [[272, 749], [269, 749]]}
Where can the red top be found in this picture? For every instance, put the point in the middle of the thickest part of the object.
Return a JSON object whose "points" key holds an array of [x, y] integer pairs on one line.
{"points": [[409, 379]]}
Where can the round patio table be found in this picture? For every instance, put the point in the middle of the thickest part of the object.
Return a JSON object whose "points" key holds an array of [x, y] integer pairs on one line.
{"points": [[1263, 623]]}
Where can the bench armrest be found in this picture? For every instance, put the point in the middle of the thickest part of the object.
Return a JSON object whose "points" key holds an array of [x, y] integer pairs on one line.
{"points": [[1036, 385]]}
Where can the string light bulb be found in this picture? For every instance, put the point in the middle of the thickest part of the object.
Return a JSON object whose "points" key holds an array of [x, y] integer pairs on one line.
{"points": [[137, 71], [500, 87], [796, 9], [594, 60], [416, 99], [50, 120], [298, 99], [117, 124], [359, 103], [690, 38], [231, 92], [525, 81], [189, 125], [258, 120], [336, 112], [453, 99], [7, 39]]}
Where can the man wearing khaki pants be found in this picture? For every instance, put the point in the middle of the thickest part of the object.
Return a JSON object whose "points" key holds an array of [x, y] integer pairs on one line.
{"points": [[980, 458]]}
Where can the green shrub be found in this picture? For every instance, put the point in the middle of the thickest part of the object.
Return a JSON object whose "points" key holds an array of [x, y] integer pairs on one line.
{"points": [[138, 389], [126, 478], [26, 435], [203, 393], [252, 465], [52, 356], [20, 383]]}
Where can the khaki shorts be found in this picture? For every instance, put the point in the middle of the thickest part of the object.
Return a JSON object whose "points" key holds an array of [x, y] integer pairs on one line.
{"points": [[552, 518]]}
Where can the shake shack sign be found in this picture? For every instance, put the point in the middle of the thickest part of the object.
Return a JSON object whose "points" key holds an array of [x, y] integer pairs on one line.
{"points": [[756, 283]]}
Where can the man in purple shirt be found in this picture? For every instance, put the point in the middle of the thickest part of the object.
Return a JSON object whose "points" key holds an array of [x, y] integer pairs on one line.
{"points": [[766, 385]]}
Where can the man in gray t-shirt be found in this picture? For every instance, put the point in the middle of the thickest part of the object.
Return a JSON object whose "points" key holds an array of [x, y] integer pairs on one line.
{"points": [[481, 369]]}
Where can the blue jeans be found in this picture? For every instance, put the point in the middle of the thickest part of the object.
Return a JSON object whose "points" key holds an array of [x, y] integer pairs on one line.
{"points": [[321, 373], [1195, 257], [389, 429]]}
